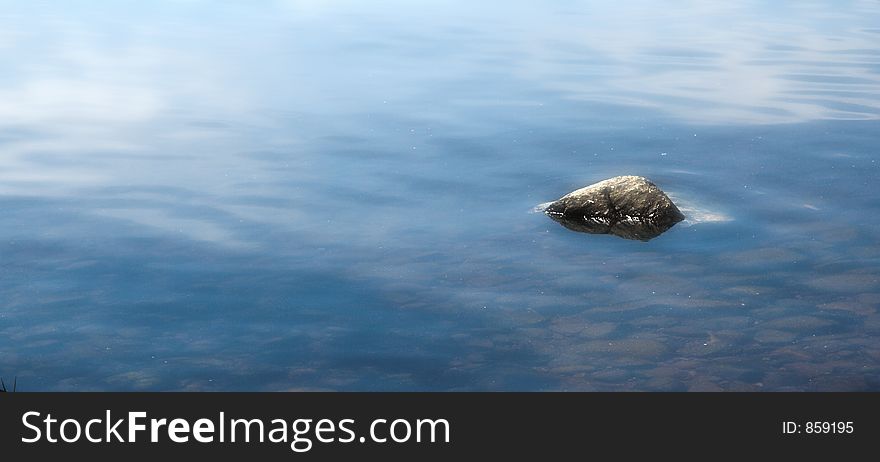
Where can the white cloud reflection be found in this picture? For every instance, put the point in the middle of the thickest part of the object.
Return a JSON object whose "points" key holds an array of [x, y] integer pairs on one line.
{"points": [[711, 62], [287, 131], [102, 97], [702, 62]]}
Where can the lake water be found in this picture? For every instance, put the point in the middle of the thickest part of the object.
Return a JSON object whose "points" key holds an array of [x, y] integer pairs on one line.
{"points": [[336, 195]]}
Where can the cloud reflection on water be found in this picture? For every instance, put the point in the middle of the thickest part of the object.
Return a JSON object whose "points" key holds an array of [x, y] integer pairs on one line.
{"points": [[306, 195]]}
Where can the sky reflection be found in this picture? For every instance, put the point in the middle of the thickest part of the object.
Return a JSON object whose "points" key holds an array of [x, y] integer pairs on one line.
{"points": [[333, 195]]}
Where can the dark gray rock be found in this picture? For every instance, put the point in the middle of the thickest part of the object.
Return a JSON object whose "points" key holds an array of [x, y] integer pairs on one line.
{"points": [[630, 207]]}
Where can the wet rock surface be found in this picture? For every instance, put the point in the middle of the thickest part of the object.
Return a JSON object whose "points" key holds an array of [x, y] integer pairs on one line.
{"points": [[631, 207]]}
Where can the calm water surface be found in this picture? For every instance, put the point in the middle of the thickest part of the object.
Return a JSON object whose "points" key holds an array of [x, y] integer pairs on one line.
{"points": [[333, 195]]}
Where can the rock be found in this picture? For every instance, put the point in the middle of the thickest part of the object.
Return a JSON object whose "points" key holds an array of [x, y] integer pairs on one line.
{"points": [[630, 207]]}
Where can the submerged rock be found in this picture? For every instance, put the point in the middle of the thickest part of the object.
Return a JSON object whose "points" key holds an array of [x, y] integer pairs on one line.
{"points": [[630, 207]]}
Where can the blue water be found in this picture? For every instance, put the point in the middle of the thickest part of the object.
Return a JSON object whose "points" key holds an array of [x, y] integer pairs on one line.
{"points": [[336, 195]]}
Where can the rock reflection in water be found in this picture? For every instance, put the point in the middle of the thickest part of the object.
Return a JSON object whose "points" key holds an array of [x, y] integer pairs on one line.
{"points": [[630, 207]]}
